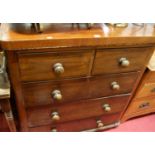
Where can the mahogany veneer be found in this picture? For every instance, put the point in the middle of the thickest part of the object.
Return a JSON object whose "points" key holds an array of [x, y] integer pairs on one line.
{"points": [[76, 111], [67, 79], [38, 66], [111, 57], [36, 94]]}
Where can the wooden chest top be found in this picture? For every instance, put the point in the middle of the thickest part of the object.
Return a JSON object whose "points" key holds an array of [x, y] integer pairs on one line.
{"points": [[63, 35]]}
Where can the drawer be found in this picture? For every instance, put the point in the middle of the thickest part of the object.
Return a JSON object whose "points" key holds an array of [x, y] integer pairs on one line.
{"points": [[141, 107], [50, 93], [48, 66], [80, 110], [147, 90], [80, 125], [120, 60], [149, 76]]}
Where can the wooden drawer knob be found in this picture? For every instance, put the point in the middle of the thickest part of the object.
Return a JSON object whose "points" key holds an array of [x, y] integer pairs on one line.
{"points": [[124, 62], [99, 124], [55, 116], [58, 68], [56, 94], [115, 85], [54, 130], [106, 107]]}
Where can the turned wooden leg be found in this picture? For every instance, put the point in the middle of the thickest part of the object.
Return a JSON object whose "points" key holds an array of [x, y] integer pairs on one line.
{"points": [[6, 108]]}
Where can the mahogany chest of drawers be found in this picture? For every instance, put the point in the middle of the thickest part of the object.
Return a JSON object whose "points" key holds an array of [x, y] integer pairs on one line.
{"points": [[74, 81]]}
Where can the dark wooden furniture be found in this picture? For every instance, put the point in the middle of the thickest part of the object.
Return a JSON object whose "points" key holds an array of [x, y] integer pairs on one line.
{"points": [[5, 106], [3, 125], [67, 79], [143, 101]]}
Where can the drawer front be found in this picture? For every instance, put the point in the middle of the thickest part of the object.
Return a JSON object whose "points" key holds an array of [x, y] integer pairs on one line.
{"points": [[50, 93], [120, 60], [79, 125], [47, 66], [147, 90], [80, 110], [150, 76], [141, 107]]}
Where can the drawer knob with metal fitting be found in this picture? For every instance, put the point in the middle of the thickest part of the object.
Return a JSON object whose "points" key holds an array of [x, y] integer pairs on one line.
{"points": [[124, 62], [56, 94], [107, 107], [55, 116], [99, 124], [115, 85], [54, 130], [58, 68]]}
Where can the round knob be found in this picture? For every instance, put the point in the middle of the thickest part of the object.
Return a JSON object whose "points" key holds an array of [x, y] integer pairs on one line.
{"points": [[57, 95], [124, 62], [58, 68], [107, 107], [99, 124], [55, 116], [115, 86], [54, 130]]}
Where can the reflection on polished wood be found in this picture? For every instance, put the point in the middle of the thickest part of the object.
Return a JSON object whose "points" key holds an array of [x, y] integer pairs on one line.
{"points": [[64, 35], [100, 70]]}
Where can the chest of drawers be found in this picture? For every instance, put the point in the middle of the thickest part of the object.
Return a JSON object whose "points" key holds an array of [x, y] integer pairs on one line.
{"points": [[143, 101], [74, 83]]}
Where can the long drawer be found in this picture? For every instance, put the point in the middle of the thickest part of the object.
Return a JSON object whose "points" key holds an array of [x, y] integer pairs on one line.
{"points": [[109, 61], [79, 110], [49, 66], [81, 125], [50, 93]]}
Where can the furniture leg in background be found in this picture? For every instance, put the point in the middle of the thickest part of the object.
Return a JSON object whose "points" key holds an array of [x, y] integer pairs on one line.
{"points": [[5, 105], [6, 109]]}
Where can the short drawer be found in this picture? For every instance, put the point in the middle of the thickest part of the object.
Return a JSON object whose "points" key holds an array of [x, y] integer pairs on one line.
{"points": [[108, 121], [72, 112], [48, 66], [140, 107], [120, 60], [60, 92], [147, 90]]}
